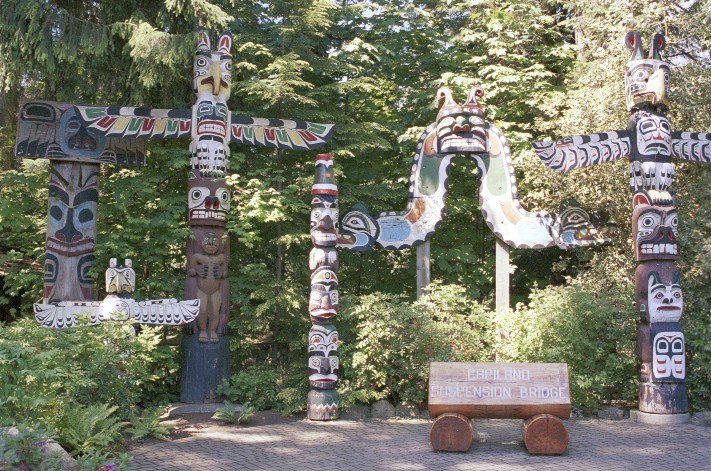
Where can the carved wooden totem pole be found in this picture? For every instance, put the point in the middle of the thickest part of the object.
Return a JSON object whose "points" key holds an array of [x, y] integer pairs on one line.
{"points": [[650, 144], [322, 401], [206, 355], [56, 131]]}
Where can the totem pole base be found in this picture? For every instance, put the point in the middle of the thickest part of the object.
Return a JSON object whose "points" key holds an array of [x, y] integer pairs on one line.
{"points": [[204, 366], [322, 404], [663, 398], [659, 419]]}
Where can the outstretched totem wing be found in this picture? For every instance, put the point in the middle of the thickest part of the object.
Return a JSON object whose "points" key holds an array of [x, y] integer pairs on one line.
{"points": [[279, 133], [580, 151], [166, 311], [62, 131], [695, 146], [64, 314]]}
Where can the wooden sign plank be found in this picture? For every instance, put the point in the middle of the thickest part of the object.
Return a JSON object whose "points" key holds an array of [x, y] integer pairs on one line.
{"points": [[499, 390]]}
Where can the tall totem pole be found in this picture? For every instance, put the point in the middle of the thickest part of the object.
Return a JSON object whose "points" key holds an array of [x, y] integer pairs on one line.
{"points": [[650, 144], [206, 355], [322, 401]]}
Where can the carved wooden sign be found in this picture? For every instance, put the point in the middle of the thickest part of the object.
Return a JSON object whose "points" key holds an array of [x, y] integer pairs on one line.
{"points": [[499, 390]]}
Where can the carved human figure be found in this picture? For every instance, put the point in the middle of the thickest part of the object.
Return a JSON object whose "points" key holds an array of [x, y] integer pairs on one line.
{"points": [[208, 269], [324, 220], [71, 231], [323, 301]]}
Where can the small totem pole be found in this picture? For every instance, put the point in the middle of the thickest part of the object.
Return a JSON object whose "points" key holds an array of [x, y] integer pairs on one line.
{"points": [[650, 144], [322, 402]]}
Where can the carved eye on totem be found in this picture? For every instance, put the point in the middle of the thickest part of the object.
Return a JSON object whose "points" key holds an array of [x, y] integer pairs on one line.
{"points": [[315, 215], [355, 222], [640, 75], [648, 221], [201, 62], [659, 295], [224, 196], [446, 122], [677, 345], [196, 194], [662, 345], [315, 362], [334, 362]]}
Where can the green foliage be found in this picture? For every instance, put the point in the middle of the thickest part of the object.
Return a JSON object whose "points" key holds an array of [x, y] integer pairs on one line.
{"points": [[89, 429], [396, 339], [148, 425], [591, 328], [98, 461], [46, 371], [246, 414], [227, 413], [289, 401], [24, 450], [253, 385]]}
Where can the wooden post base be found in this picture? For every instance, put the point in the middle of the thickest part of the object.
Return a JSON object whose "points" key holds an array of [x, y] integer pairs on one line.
{"points": [[451, 432], [545, 434]]}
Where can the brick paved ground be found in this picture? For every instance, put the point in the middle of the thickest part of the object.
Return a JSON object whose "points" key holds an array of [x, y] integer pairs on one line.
{"points": [[402, 444]]}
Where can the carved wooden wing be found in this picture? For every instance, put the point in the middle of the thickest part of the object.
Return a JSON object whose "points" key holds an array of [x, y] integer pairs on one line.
{"points": [[583, 150], [166, 311], [64, 314], [279, 133], [63, 131], [695, 146]]}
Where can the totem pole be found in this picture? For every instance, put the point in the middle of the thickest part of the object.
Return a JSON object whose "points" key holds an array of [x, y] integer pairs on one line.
{"points": [[650, 144], [79, 137], [55, 131], [206, 356], [322, 401]]}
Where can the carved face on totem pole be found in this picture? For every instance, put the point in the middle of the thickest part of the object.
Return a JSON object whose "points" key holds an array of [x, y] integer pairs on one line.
{"points": [[578, 226], [324, 220], [659, 295], [358, 230], [208, 201], [323, 300], [660, 347], [120, 279], [212, 79], [71, 231], [323, 359], [656, 229], [647, 80], [461, 128]]}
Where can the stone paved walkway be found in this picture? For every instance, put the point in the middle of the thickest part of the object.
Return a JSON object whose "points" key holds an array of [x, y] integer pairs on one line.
{"points": [[403, 444]]}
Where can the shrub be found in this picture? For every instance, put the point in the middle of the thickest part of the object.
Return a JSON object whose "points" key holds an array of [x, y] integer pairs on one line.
{"points": [[591, 328], [253, 385], [44, 371], [397, 339], [88, 430]]}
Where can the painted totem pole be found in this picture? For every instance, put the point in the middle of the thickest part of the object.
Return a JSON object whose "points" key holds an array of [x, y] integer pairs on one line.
{"points": [[650, 144], [322, 401], [55, 131], [80, 137], [208, 248]]}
